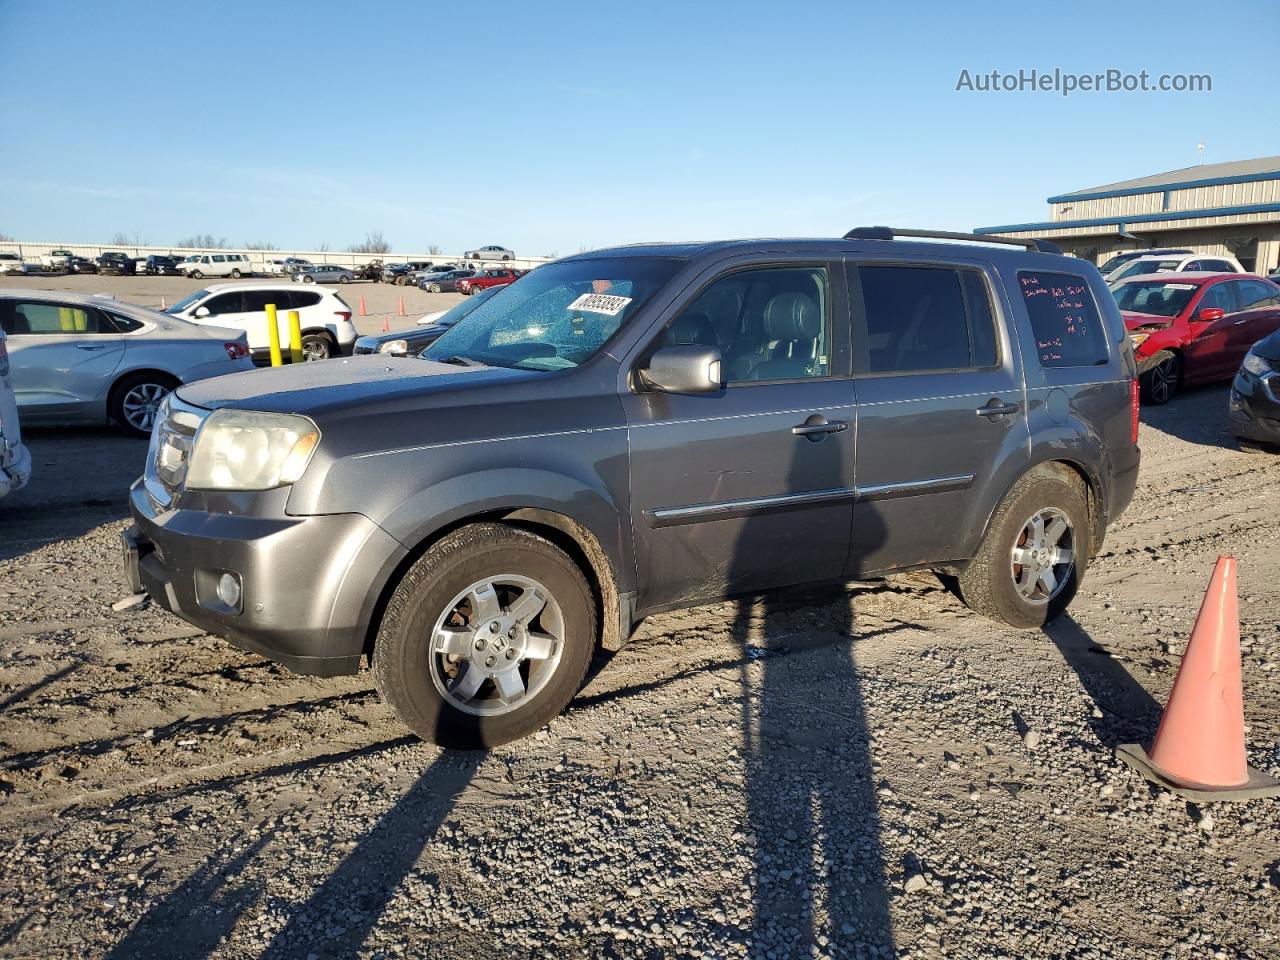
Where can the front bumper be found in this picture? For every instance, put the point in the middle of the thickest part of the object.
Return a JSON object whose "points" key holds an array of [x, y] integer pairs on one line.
{"points": [[15, 466], [1254, 408], [309, 585]]}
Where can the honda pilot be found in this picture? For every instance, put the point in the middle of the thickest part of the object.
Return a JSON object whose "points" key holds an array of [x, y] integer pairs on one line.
{"points": [[640, 429]]}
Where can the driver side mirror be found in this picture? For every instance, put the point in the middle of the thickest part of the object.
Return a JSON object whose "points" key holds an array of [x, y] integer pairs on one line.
{"points": [[683, 369], [1210, 314], [201, 312]]}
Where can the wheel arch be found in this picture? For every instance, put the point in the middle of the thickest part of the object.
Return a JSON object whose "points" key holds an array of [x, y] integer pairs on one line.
{"points": [[1076, 471], [571, 536]]}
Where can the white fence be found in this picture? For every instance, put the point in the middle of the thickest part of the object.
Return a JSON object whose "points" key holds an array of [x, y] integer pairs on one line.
{"points": [[32, 252]]}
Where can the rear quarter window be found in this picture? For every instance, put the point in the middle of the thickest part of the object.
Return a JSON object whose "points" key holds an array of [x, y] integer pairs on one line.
{"points": [[1064, 319]]}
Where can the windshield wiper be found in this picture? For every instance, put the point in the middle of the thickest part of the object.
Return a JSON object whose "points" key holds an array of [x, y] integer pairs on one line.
{"points": [[462, 361]]}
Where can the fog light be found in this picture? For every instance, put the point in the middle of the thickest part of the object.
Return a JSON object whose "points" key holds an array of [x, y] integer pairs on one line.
{"points": [[229, 590]]}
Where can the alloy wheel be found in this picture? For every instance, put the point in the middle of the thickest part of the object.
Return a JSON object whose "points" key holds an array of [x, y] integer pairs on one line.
{"points": [[1163, 381], [1043, 557], [141, 403], [497, 645]]}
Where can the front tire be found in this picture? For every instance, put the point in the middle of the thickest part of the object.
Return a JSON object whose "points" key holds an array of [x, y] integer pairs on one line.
{"points": [[308, 279], [486, 638], [197, 275], [235, 274], [435, 288], [1035, 552], [1162, 379]]}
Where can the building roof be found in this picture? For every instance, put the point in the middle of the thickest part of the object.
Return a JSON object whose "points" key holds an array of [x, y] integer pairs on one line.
{"points": [[1202, 175]]}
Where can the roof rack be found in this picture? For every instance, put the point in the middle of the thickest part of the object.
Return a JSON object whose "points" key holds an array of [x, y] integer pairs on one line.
{"points": [[893, 233]]}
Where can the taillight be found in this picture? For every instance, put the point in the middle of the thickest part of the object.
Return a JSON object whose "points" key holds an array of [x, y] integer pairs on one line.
{"points": [[344, 314], [1133, 410], [235, 350]]}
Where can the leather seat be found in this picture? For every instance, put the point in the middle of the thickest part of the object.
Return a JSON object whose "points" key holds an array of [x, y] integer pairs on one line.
{"points": [[794, 321], [691, 329]]}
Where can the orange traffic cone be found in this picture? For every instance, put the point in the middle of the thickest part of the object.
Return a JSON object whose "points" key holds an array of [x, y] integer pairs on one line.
{"points": [[401, 310], [1198, 749], [386, 324], [362, 310]]}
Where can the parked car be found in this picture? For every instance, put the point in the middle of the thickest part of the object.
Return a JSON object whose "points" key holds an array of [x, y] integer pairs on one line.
{"points": [[445, 281], [1197, 263], [1254, 407], [1120, 259], [11, 263], [291, 265], [417, 276], [584, 449], [55, 259], [399, 273], [159, 265], [411, 343], [324, 273], [201, 265], [369, 271], [327, 330], [491, 252], [1193, 328], [81, 265], [487, 278], [89, 359], [15, 459], [115, 263]]}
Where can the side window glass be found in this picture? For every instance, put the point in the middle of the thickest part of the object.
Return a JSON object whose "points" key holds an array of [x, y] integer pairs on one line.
{"points": [[225, 303], [982, 326], [770, 324], [1194, 265], [301, 298], [255, 301], [1064, 319], [916, 318], [53, 319], [1218, 295], [124, 324]]}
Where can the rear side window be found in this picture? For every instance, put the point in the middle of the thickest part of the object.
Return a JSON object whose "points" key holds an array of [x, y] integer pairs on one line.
{"points": [[1255, 295], [303, 298], [1064, 319], [924, 318], [125, 324]]}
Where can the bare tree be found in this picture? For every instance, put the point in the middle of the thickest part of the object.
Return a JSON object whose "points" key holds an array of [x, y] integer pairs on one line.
{"points": [[553, 255], [324, 247], [434, 250], [121, 239], [203, 241], [373, 243], [260, 245], [5, 238]]}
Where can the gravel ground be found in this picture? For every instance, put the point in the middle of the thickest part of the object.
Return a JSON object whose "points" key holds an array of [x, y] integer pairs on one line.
{"points": [[867, 771]]}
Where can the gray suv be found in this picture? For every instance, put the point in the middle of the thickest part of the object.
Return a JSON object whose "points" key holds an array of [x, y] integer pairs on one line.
{"points": [[639, 429]]}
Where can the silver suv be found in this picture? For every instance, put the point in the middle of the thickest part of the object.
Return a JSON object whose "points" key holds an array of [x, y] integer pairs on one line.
{"points": [[639, 429]]}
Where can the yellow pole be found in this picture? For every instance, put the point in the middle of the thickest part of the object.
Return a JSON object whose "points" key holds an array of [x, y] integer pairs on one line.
{"points": [[273, 335], [295, 337]]}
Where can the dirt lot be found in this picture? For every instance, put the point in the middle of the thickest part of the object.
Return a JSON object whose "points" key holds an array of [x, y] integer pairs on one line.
{"points": [[382, 300], [862, 772]]}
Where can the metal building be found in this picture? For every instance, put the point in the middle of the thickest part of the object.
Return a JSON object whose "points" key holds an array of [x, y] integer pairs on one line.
{"points": [[1216, 208]]}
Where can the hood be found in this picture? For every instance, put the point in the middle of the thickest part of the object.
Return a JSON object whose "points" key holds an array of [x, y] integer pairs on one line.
{"points": [[1136, 321], [312, 388], [1269, 347]]}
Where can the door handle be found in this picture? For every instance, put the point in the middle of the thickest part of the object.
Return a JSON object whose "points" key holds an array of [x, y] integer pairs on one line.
{"points": [[997, 408], [91, 346], [1238, 322], [817, 425]]}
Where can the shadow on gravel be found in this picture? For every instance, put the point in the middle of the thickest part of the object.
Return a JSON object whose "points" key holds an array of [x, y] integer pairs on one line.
{"points": [[818, 884], [191, 921], [1196, 415], [339, 915], [20, 695], [1129, 713]]}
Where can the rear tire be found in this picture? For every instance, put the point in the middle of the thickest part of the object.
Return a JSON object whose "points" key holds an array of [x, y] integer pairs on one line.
{"points": [[135, 399], [995, 585], [428, 688], [1162, 378]]}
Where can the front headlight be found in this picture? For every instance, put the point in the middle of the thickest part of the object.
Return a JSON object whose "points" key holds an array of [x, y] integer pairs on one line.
{"points": [[398, 347], [1258, 366], [245, 450], [1138, 339]]}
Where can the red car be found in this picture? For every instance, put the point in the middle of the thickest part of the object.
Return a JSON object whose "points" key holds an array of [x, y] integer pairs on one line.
{"points": [[488, 278], [1192, 328]]}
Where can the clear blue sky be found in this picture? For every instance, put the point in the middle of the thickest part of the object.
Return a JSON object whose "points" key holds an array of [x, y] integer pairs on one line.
{"points": [[554, 126]]}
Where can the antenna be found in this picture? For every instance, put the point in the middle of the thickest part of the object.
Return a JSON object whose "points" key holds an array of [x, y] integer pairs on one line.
{"points": [[1200, 148]]}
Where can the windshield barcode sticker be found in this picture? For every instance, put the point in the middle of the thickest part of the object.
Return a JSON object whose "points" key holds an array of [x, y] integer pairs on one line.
{"points": [[600, 303], [1180, 286]]}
